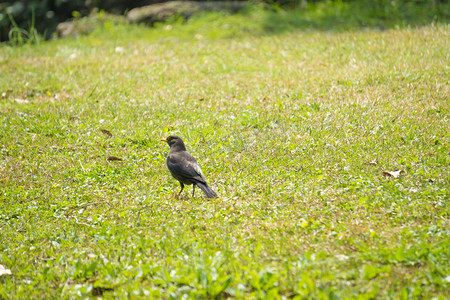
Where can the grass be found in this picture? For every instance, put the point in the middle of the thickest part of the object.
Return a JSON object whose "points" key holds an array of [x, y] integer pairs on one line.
{"points": [[293, 130]]}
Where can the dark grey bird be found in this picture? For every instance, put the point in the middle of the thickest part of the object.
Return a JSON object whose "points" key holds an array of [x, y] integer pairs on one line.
{"points": [[184, 168]]}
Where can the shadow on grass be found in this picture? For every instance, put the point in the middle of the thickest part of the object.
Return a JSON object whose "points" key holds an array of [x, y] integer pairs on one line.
{"points": [[340, 16]]}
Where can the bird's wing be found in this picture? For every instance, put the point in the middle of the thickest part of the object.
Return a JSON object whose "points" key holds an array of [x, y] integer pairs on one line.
{"points": [[185, 165]]}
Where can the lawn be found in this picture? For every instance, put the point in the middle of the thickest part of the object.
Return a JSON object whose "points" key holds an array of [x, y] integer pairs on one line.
{"points": [[300, 131]]}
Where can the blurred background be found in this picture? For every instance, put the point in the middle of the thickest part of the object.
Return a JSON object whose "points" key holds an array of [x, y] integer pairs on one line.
{"points": [[43, 16]]}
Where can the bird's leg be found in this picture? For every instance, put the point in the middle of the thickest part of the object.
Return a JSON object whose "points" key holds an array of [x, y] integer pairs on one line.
{"points": [[182, 187], [193, 190]]}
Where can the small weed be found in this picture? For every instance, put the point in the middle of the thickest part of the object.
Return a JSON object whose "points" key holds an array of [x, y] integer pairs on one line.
{"points": [[19, 36]]}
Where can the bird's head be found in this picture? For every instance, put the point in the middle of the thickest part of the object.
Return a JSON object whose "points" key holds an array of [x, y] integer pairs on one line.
{"points": [[174, 140]]}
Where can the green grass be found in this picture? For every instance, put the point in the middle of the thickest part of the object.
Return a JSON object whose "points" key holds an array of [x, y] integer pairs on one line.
{"points": [[285, 127]]}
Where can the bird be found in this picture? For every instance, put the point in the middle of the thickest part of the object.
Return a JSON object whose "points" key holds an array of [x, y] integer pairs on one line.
{"points": [[184, 168]]}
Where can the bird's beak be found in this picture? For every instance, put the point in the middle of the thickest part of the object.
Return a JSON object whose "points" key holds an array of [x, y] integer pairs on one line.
{"points": [[164, 140]]}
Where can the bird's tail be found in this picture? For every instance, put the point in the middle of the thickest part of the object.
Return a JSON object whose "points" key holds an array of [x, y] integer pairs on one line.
{"points": [[207, 190]]}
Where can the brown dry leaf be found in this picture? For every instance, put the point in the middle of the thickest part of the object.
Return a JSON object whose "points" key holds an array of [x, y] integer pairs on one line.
{"points": [[21, 101], [107, 132], [395, 174], [113, 158]]}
